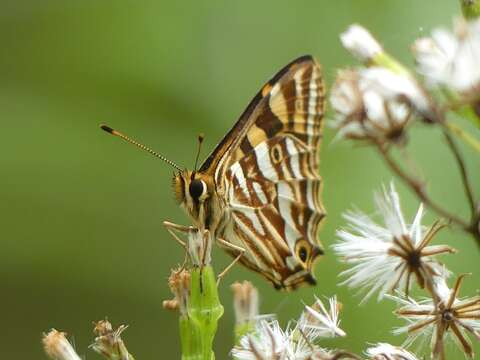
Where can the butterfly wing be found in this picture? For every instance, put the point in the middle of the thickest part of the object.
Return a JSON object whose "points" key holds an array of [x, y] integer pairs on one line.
{"points": [[267, 167]]}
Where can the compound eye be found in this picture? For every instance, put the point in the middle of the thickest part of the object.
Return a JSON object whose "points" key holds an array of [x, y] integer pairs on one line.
{"points": [[196, 188]]}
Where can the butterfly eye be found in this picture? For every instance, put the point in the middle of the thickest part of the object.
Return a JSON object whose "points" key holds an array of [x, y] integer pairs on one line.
{"points": [[196, 188], [302, 254]]}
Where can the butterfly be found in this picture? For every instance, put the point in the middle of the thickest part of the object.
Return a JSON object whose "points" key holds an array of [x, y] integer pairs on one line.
{"points": [[258, 192]]}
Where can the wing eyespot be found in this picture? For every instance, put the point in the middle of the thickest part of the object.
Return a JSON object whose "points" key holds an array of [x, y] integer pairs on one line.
{"points": [[276, 153], [302, 254]]}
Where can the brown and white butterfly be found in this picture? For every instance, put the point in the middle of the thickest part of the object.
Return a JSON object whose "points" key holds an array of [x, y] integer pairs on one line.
{"points": [[258, 192]]}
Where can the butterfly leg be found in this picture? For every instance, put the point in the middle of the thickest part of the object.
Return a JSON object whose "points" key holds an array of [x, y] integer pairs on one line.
{"points": [[240, 250], [172, 228]]}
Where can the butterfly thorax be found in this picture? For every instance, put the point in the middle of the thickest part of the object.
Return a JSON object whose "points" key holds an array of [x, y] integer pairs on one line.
{"points": [[197, 195]]}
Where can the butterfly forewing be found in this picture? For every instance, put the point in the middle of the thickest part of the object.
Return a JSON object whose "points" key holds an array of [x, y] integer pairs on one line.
{"points": [[267, 169]]}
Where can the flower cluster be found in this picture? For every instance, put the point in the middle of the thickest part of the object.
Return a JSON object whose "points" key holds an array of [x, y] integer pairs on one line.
{"points": [[377, 103], [380, 100], [300, 339], [108, 343], [450, 59], [385, 258]]}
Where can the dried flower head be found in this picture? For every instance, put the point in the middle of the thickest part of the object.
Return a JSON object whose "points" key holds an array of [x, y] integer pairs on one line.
{"points": [[442, 315], [383, 351], [245, 302], [108, 342], [57, 347], [179, 283], [450, 59], [386, 257]]}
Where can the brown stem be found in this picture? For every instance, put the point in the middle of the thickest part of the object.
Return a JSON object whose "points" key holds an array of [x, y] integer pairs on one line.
{"points": [[463, 172], [419, 189]]}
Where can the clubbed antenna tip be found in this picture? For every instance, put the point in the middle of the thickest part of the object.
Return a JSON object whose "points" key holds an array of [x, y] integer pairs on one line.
{"points": [[107, 128]]}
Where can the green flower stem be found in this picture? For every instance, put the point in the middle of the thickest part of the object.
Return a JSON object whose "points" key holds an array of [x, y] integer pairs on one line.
{"points": [[465, 136], [243, 329], [190, 339], [199, 325], [385, 60], [470, 8]]}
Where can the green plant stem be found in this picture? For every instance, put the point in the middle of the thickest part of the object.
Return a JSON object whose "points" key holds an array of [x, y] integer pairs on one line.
{"points": [[243, 329], [463, 135], [385, 60], [189, 337], [199, 325], [419, 188], [463, 172]]}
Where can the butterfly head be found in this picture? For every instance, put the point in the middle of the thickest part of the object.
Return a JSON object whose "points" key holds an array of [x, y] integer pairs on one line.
{"points": [[192, 191]]}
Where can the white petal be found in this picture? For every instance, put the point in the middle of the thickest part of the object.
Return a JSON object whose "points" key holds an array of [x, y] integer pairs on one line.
{"points": [[394, 86], [416, 227], [325, 323], [451, 59], [383, 351], [360, 43]]}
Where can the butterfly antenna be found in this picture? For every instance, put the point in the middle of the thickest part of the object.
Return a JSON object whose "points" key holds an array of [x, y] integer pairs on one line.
{"points": [[200, 141], [109, 130]]}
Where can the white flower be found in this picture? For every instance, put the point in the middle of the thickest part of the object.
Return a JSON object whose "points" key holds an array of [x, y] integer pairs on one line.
{"points": [[57, 346], [360, 43], [383, 351], [393, 86], [268, 342], [376, 103], [323, 323], [443, 315], [299, 342], [451, 59], [347, 102], [385, 257]]}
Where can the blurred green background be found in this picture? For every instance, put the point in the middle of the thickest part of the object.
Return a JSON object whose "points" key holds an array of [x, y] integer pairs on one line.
{"points": [[81, 212]]}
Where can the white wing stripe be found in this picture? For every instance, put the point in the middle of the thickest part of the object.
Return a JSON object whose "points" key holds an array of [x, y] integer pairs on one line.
{"points": [[259, 191], [238, 173], [263, 161], [312, 103], [294, 160], [285, 191]]}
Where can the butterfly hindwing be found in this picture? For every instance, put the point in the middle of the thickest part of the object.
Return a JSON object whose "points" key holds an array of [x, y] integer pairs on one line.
{"points": [[268, 168]]}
